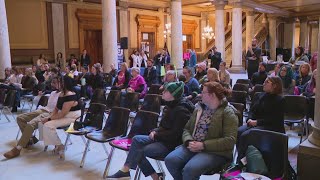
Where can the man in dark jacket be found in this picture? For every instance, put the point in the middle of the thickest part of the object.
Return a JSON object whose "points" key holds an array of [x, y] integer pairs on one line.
{"points": [[150, 74], [85, 58], [215, 58], [161, 141], [260, 76]]}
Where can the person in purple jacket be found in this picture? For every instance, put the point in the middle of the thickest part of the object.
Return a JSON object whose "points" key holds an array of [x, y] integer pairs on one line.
{"points": [[137, 83]]}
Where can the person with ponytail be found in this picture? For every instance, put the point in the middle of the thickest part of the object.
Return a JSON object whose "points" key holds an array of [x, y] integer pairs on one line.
{"points": [[208, 137]]}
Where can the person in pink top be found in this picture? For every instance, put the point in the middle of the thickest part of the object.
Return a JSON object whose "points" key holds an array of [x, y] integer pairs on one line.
{"points": [[122, 79], [137, 83]]}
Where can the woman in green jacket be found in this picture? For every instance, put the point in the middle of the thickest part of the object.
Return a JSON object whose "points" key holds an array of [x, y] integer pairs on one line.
{"points": [[208, 138]]}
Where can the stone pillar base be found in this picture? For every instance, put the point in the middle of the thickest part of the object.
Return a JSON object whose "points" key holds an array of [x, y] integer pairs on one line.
{"points": [[308, 161], [237, 69]]}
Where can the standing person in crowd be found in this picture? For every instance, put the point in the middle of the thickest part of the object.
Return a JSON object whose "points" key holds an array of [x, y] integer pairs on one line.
{"points": [[135, 61], [253, 58], [42, 60], [186, 58], [122, 79], [28, 122], [150, 73], [137, 82], [161, 141], [313, 61], [59, 60], [215, 58], [193, 58], [66, 112], [298, 56], [260, 76], [224, 74], [266, 112], [143, 59], [201, 70], [165, 57], [288, 82], [208, 137], [156, 61], [85, 58]]}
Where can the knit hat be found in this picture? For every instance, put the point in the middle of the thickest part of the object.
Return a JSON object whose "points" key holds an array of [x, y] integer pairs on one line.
{"points": [[202, 65], [175, 89]]}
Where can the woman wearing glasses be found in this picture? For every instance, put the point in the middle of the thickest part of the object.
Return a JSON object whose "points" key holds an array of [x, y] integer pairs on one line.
{"points": [[208, 137], [266, 111]]}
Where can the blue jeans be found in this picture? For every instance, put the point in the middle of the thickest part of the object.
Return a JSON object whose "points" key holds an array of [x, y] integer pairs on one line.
{"points": [[142, 146], [187, 165]]}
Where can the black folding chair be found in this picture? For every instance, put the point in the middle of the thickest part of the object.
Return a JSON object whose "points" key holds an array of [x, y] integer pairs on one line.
{"points": [[8, 103], [113, 99], [152, 102], [115, 126], [296, 112], [154, 89]]}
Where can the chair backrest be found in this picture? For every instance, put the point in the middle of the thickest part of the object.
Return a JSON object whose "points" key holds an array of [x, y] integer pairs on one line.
{"points": [[131, 101], [113, 99], [243, 81], [99, 96], [241, 87], [238, 97], [240, 109], [152, 102], [108, 79], [2, 96], [117, 122], [154, 89], [143, 123], [257, 88], [10, 98], [274, 149], [43, 101], [295, 107], [95, 115]]}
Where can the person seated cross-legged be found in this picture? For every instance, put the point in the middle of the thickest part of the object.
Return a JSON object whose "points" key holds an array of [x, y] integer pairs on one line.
{"points": [[28, 122]]}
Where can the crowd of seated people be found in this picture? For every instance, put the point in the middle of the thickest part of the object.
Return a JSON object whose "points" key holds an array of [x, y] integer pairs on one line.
{"points": [[193, 136]]}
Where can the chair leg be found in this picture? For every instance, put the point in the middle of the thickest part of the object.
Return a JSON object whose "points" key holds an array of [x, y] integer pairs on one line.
{"points": [[5, 115], [18, 134], [84, 141], [137, 174], [65, 143], [105, 173], [105, 149], [160, 167], [84, 154]]}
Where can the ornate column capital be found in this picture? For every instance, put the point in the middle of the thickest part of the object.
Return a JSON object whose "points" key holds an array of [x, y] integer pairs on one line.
{"points": [[236, 3], [219, 4], [250, 12], [272, 17], [303, 19], [123, 4], [290, 20]]}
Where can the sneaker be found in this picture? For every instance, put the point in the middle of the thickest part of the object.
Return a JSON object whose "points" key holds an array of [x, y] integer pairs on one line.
{"points": [[12, 153], [120, 175]]}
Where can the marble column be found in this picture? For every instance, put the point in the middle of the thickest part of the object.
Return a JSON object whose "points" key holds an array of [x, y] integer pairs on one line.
{"points": [[5, 58], [124, 23], [249, 28], [59, 44], [109, 34], [204, 18], [219, 27], [304, 32], [309, 151], [237, 38], [272, 36], [314, 33], [289, 35], [176, 34]]}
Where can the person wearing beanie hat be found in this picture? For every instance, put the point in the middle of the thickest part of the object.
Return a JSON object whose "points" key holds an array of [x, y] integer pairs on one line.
{"points": [[176, 89], [161, 141], [201, 70], [260, 76]]}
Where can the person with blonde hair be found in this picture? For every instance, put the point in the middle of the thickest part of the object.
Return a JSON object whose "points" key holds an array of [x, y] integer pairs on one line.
{"points": [[224, 74], [137, 82], [302, 77], [212, 76]]}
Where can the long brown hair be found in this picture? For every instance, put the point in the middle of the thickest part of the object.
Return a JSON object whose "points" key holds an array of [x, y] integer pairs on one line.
{"points": [[217, 89]]}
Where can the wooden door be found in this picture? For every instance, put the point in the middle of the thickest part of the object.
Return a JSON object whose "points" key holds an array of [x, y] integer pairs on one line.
{"points": [[148, 43], [93, 45]]}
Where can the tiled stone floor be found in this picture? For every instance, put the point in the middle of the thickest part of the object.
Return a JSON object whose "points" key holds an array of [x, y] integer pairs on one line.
{"points": [[36, 164]]}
